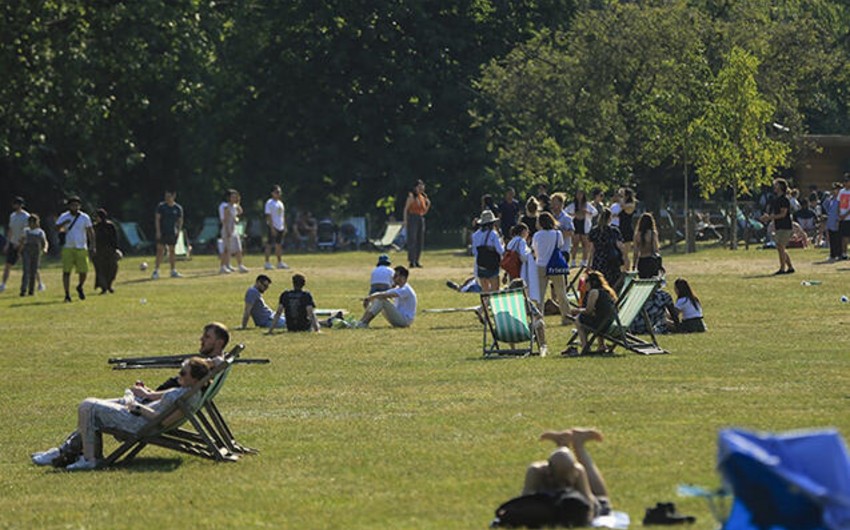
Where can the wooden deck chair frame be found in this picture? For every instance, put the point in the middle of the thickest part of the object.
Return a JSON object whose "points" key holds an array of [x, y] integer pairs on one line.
{"points": [[498, 309], [631, 303], [391, 232], [203, 442], [572, 287]]}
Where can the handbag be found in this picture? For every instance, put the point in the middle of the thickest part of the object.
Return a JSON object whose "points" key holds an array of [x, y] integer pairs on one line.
{"points": [[557, 264], [512, 263]]}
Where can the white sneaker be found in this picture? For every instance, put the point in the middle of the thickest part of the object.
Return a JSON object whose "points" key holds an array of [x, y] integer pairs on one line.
{"points": [[584, 263], [544, 351], [243, 268], [268, 266], [361, 325], [175, 274], [42, 287], [229, 268], [224, 270], [45, 458], [82, 465], [282, 265], [155, 275]]}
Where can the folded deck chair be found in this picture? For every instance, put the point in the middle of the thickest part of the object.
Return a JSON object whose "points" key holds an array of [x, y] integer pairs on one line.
{"points": [[201, 441], [206, 238], [135, 238], [181, 249], [507, 316], [390, 234], [629, 305]]}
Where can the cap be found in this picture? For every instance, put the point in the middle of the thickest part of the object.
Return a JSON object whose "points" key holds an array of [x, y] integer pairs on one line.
{"points": [[383, 259]]}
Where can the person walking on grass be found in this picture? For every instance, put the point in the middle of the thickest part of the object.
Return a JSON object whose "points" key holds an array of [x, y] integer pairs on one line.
{"points": [[844, 215], [780, 215], [33, 245], [230, 212], [79, 239], [275, 213], [18, 222], [168, 221]]}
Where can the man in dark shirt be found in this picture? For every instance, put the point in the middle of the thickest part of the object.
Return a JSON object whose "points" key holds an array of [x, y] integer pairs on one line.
{"points": [[168, 221], [298, 307], [780, 214]]}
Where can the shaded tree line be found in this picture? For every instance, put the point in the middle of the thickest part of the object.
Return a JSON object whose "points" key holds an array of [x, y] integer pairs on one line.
{"points": [[346, 103]]}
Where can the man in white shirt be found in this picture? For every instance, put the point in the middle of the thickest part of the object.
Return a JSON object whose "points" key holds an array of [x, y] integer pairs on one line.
{"points": [[18, 222], [397, 304], [276, 222], [79, 238]]}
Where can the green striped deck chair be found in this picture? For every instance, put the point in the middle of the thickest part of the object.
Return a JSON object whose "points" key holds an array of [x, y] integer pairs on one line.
{"points": [[630, 304], [202, 441], [507, 317]]}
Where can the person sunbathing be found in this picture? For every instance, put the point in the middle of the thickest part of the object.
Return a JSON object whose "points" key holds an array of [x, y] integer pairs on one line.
{"points": [[126, 414], [570, 467]]}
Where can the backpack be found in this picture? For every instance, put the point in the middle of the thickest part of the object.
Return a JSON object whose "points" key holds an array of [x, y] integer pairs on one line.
{"points": [[487, 256], [565, 508]]}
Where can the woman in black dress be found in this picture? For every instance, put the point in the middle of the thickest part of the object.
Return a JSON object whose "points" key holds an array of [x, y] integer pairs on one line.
{"points": [[607, 252], [106, 258]]}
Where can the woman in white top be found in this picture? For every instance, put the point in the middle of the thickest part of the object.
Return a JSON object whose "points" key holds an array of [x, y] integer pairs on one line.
{"points": [[690, 308], [582, 213], [528, 272], [488, 249], [546, 240]]}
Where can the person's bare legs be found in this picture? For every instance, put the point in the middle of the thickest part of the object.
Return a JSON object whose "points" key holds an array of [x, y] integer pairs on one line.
{"points": [[172, 258], [582, 336], [594, 476]]}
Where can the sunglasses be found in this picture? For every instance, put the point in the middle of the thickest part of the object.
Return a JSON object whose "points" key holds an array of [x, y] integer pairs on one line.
{"points": [[183, 373]]}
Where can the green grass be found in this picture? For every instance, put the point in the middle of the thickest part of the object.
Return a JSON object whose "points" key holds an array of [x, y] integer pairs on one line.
{"points": [[386, 428]]}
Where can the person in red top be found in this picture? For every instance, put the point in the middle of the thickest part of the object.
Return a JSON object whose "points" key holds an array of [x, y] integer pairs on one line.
{"points": [[415, 208]]}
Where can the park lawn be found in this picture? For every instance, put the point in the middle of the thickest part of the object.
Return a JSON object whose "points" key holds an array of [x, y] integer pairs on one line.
{"points": [[386, 428]]}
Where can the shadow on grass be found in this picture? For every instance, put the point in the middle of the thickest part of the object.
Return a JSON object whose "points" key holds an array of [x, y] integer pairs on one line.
{"points": [[756, 276], [38, 303], [150, 465]]}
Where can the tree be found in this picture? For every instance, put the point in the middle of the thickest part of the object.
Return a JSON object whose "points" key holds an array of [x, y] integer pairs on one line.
{"points": [[729, 140]]}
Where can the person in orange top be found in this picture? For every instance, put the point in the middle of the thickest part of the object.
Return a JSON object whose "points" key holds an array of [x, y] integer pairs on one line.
{"points": [[415, 209]]}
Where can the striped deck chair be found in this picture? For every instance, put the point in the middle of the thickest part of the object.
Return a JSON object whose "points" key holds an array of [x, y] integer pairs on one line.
{"points": [[202, 441], [507, 317], [629, 306]]}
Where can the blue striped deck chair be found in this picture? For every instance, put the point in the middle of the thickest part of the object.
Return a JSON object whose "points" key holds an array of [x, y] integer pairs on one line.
{"points": [[630, 304], [507, 317]]}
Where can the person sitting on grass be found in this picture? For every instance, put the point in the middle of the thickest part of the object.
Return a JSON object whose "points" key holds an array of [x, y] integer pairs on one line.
{"points": [[690, 308], [397, 304], [597, 312], [570, 467], [298, 306], [125, 414], [256, 308], [382, 275]]}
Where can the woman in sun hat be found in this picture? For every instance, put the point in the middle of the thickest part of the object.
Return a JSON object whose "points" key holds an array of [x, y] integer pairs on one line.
{"points": [[488, 249]]}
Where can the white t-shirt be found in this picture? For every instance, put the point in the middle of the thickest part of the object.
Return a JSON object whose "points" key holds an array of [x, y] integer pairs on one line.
{"points": [[75, 237], [688, 308], [277, 211], [566, 225], [18, 222], [616, 208], [406, 301], [544, 243], [382, 275]]}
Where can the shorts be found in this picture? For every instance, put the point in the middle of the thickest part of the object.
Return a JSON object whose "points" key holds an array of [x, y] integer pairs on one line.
{"points": [[579, 227], [487, 273], [692, 325], [783, 236], [12, 254], [168, 238], [75, 258], [232, 243], [275, 236], [844, 228]]}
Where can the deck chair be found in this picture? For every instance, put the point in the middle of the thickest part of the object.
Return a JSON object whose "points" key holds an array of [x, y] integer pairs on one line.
{"points": [[391, 232], [326, 235], [630, 304], [210, 230], [135, 238], [202, 441], [507, 317], [360, 232], [573, 295]]}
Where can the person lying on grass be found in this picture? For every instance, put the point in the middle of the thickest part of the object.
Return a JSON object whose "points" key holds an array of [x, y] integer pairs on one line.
{"points": [[570, 467], [125, 414], [597, 311]]}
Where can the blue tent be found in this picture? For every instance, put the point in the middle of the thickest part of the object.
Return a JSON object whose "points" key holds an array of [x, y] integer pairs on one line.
{"points": [[796, 481]]}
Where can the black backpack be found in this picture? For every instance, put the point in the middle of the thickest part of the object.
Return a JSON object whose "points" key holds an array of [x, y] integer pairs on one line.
{"points": [[566, 508]]}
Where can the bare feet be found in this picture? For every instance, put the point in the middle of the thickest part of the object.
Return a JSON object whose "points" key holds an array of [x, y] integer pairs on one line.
{"points": [[579, 436], [560, 438]]}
